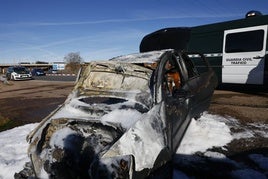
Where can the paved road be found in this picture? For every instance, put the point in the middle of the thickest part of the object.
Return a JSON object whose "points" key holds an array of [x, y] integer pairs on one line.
{"points": [[56, 78], [48, 77]]}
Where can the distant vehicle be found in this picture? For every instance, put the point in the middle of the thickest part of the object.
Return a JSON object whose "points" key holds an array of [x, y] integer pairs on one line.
{"points": [[124, 119], [18, 73], [38, 72], [237, 49], [51, 71]]}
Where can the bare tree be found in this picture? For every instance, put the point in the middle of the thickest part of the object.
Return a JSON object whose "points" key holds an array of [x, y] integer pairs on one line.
{"points": [[73, 61]]}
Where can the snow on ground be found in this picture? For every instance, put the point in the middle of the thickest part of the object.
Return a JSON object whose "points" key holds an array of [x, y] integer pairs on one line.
{"points": [[203, 134]]}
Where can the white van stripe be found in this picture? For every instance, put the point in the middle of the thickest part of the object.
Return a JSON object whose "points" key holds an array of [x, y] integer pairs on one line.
{"points": [[207, 55]]}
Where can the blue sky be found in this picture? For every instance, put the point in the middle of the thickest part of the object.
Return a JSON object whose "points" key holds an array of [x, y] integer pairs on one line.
{"points": [[47, 30]]}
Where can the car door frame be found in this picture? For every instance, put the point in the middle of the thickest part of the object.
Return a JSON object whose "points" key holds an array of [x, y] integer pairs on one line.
{"points": [[200, 85], [173, 125]]}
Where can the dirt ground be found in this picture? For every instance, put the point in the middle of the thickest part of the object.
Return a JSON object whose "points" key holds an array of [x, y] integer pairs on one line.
{"points": [[245, 106], [23, 102]]}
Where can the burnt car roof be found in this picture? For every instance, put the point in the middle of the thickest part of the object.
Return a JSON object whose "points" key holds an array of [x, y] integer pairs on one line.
{"points": [[146, 57]]}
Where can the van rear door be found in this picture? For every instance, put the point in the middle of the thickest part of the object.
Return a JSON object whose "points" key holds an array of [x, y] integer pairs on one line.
{"points": [[243, 55]]}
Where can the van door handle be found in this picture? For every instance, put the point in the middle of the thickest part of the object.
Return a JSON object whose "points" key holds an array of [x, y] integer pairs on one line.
{"points": [[257, 57]]}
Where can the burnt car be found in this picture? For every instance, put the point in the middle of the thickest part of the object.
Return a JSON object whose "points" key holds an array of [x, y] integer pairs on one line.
{"points": [[125, 117]]}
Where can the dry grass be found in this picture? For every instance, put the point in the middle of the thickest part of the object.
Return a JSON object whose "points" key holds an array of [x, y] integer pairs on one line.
{"points": [[5, 123]]}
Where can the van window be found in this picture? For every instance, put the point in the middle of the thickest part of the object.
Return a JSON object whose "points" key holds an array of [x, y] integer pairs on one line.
{"points": [[249, 41]]}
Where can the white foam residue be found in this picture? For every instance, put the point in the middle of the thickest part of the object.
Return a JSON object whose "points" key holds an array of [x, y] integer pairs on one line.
{"points": [[243, 135], [204, 134], [71, 110], [13, 150], [58, 138], [215, 155], [260, 129], [125, 117], [142, 141]]}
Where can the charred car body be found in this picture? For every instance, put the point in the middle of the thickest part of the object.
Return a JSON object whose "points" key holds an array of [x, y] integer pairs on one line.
{"points": [[124, 119]]}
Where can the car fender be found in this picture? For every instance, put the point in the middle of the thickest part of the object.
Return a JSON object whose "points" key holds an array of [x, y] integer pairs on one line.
{"points": [[146, 138]]}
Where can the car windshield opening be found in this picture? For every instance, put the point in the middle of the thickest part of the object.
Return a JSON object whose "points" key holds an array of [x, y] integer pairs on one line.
{"points": [[20, 70], [109, 101], [115, 81]]}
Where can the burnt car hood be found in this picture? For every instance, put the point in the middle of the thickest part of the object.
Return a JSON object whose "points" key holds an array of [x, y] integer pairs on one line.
{"points": [[112, 131]]}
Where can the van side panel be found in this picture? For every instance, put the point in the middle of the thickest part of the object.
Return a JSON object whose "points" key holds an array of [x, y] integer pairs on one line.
{"points": [[244, 55], [208, 39]]}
